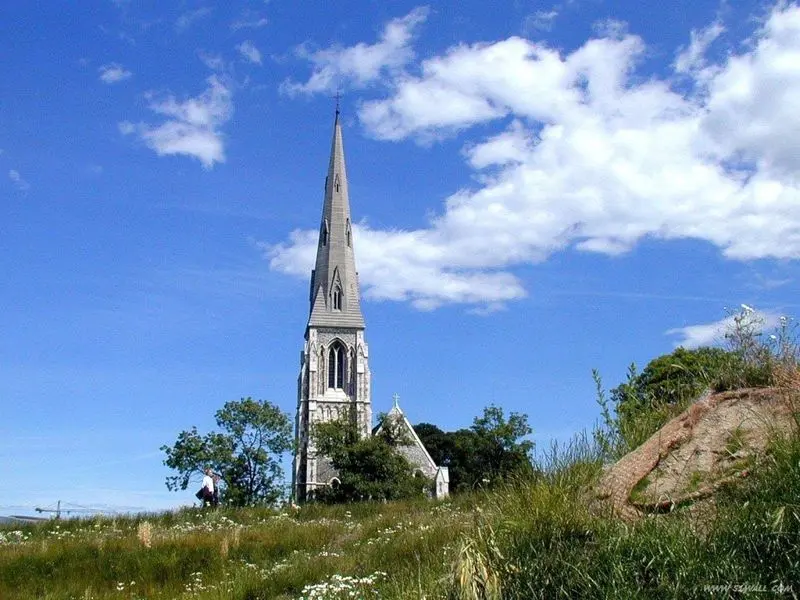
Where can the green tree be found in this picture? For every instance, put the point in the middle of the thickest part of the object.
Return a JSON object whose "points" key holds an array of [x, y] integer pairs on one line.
{"points": [[642, 404], [369, 468], [672, 378], [500, 444], [245, 452], [489, 451]]}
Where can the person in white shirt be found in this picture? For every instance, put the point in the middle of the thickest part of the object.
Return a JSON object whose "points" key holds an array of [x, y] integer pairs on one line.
{"points": [[208, 487]]}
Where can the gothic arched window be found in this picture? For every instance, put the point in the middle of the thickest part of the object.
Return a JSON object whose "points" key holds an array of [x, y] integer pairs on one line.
{"points": [[323, 236], [337, 298], [337, 365], [348, 233]]}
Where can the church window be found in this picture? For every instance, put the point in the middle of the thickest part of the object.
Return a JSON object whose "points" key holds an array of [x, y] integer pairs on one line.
{"points": [[337, 298], [324, 233], [337, 357], [351, 375], [336, 182], [348, 233]]}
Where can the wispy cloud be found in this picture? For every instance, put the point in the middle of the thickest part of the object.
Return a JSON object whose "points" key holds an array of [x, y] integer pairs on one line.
{"points": [[193, 126], [213, 61], [541, 20], [711, 334], [692, 58], [18, 181], [359, 65], [249, 19], [187, 19], [113, 73], [249, 51]]}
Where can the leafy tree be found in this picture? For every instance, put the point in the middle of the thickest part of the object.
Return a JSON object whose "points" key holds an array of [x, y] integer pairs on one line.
{"points": [[369, 468], [245, 452], [672, 378], [642, 404], [489, 451], [500, 443]]}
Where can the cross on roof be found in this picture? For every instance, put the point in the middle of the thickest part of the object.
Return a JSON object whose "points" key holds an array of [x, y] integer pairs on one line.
{"points": [[396, 399]]}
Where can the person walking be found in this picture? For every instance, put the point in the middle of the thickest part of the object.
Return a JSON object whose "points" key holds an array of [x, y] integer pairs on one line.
{"points": [[208, 487]]}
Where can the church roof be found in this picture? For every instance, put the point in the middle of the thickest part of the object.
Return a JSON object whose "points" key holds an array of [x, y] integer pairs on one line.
{"points": [[397, 416], [334, 281]]}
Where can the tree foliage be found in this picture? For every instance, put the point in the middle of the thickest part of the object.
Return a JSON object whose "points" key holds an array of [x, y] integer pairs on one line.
{"points": [[641, 405], [671, 379], [369, 468], [245, 452], [491, 450]]}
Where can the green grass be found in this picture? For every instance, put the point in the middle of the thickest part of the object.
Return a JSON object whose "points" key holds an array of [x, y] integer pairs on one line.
{"points": [[242, 554], [638, 491], [539, 537], [736, 441], [549, 541]]}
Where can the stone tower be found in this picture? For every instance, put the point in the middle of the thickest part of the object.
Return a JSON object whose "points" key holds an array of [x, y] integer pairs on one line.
{"points": [[334, 376]]}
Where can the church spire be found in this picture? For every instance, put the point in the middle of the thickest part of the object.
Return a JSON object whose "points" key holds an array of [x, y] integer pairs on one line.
{"points": [[334, 281]]}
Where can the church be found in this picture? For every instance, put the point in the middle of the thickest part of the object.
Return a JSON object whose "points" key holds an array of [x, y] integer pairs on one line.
{"points": [[334, 378]]}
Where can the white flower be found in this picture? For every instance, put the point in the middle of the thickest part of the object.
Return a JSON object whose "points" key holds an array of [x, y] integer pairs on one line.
{"points": [[747, 309]]}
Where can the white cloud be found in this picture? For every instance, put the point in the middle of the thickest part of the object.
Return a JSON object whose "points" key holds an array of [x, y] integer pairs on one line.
{"points": [[192, 127], [249, 19], [692, 58], [18, 181], [753, 99], [396, 265], [596, 157], [361, 64], [610, 28], [541, 20], [713, 334], [187, 19], [249, 51], [213, 61], [113, 73]]}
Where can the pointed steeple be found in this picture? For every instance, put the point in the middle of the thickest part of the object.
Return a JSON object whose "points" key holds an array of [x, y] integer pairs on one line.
{"points": [[334, 281]]}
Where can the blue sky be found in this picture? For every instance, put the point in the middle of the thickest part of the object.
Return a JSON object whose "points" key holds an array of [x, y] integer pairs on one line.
{"points": [[540, 189]]}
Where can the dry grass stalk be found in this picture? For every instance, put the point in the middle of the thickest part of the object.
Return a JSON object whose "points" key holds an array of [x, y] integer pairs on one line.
{"points": [[474, 576], [145, 533]]}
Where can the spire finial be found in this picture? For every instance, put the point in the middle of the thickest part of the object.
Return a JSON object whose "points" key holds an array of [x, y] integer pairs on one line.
{"points": [[396, 399], [338, 98]]}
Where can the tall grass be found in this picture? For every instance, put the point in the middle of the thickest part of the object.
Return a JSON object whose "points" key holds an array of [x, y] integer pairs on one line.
{"points": [[400, 550], [536, 537], [547, 539]]}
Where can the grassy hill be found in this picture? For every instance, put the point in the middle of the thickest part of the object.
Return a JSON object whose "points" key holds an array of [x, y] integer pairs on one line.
{"points": [[542, 537]]}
